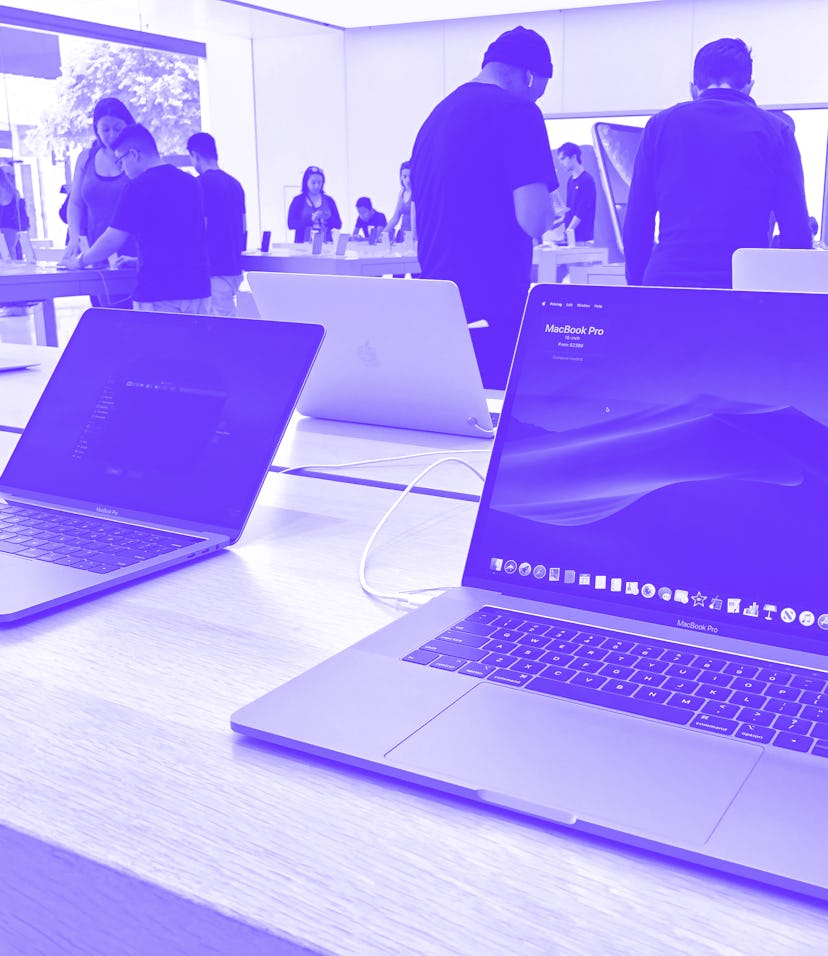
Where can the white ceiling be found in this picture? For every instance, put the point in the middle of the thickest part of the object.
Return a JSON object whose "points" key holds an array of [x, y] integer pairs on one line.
{"points": [[373, 13]]}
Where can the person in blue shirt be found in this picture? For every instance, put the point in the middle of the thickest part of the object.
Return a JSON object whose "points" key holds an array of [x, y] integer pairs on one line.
{"points": [[717, 170]]}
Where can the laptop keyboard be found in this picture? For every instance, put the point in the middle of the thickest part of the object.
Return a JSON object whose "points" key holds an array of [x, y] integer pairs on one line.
{"points": [[745, 698], [76, 541]]}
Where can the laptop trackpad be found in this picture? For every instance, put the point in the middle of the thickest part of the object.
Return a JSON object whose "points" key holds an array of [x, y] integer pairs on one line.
{"points": [[656, 780]]}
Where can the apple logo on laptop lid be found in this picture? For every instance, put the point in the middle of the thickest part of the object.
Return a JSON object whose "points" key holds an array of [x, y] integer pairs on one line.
{"points": [[368, 355]]}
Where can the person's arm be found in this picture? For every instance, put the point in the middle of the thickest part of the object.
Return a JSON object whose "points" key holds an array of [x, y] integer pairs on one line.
{"points": [[413, 214], [334, 219], [533, 208], [397, 215], [75, 212], [108, 243], [639, 224], [530, 168], [789, 205], [22, 214], [10, 236], [296, 213]]}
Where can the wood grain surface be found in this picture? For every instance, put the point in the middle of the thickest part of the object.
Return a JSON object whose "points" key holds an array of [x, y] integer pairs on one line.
{"points": [[132, 820]]}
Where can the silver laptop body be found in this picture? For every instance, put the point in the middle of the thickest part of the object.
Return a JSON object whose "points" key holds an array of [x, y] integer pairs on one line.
{"points": [[396, 352], [639, 646], [147, 449]]}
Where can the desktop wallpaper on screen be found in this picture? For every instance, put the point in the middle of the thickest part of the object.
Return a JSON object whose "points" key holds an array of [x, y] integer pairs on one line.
{"points": [[664, 453]]}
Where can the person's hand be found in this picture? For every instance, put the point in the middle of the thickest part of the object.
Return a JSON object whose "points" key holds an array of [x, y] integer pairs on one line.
{"points": [[72, 262], [126, 262], [71, 251]]}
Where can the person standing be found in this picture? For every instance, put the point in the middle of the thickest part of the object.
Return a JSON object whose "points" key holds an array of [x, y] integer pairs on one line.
{"points": [[14, 218], [481, 177], [402, 211], [98, 181], [313, 209], [716, 170], [96, 188], [161, 208], [224, 209], [580, 194]]}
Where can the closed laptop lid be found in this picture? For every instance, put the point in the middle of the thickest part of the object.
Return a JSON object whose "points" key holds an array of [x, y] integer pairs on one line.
{"points": [[396, 353], [663, 455], [169, 417]]}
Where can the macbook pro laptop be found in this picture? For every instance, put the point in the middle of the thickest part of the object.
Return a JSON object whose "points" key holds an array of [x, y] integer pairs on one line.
{"points": [[639, 648], [147, 449], [396, 353]]}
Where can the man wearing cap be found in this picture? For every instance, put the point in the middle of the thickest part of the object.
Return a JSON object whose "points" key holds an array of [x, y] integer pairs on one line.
{"points": [[715, 169], [481, 178]]}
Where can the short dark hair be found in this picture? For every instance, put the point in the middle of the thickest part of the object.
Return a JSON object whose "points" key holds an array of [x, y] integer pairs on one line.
{"points": [[364, 201], [570, 149], [136, 137], [312, 171], [204, 144], [723, 61]]}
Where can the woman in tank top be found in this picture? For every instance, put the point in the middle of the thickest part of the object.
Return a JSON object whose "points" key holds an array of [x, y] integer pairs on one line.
{"points": [[402, 212], [98, 182]]}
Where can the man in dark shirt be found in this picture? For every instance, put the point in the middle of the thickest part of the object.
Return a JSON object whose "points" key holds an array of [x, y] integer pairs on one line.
{"points": [[226, 226], [481, 175], [161, 207], [367, 218], [580, 194], [715, 169]]}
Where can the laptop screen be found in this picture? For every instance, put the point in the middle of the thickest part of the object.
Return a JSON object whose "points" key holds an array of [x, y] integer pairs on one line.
{"points": [[663, 455], [165, 415]]}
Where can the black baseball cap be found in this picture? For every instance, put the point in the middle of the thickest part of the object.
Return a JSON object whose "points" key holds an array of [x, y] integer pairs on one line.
{"points": [[523, 48]]}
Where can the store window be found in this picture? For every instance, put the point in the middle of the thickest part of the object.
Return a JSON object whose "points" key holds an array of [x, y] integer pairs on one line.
{"points": [[49, 84], [811, 128]]}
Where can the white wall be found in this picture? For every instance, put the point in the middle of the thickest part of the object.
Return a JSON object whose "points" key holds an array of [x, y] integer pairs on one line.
{"points": [[282, 94], [607, 59], [300, 117]]}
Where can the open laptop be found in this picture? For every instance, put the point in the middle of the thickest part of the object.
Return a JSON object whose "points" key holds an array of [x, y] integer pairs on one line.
{"points": [[396, 353], [640, 645], [147, 449]]}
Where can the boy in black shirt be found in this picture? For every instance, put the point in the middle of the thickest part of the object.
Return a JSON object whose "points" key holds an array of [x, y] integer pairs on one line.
{"points": [[161, 207], [367, 218], [226, 226]]}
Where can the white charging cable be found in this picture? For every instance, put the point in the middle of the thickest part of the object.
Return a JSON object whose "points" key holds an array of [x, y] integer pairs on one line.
{"points": [[405, 596], [378, 461]]}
